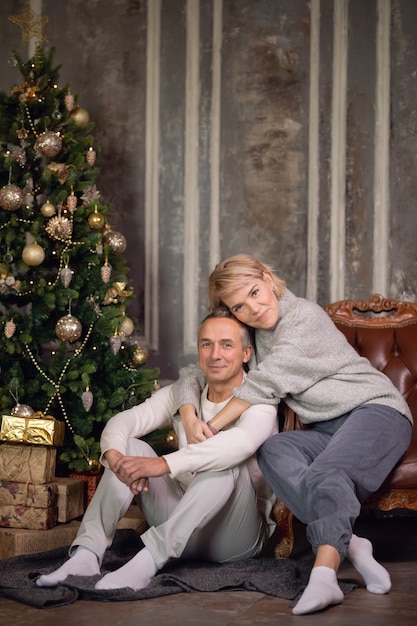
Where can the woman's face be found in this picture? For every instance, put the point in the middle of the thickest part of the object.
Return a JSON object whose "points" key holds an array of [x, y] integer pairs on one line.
{"points": [[254, 303]]}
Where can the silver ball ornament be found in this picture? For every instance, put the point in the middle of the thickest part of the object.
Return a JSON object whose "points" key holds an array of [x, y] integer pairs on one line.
{"points": [[11, 197], [48, 143], [68, 328], [22, 410], [116, 241]]}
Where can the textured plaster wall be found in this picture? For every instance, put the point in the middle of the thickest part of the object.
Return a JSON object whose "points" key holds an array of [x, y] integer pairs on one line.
{"points": [[264, 106]]}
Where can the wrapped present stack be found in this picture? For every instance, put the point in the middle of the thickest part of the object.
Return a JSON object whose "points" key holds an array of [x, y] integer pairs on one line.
{"points": [[38, 510], [28, 491]]}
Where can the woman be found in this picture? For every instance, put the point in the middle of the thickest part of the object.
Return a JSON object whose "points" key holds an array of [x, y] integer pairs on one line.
{"points": [[359, 423]]}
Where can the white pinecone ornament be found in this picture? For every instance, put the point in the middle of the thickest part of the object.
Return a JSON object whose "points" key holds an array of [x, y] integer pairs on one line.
{"points": [[9, 329], [72, 202], [115, 343], [91, 157], [106, 272], [69, 101], [87, 399], [66, 276]]}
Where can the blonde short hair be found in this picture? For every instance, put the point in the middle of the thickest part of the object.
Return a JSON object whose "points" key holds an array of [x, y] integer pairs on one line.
{"points": [[233, 273]]}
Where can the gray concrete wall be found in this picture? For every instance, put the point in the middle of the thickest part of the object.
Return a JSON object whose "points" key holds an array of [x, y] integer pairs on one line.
{"points": [[282, 128]]}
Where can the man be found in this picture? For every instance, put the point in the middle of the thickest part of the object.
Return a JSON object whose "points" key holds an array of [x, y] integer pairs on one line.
{"points": [[205, 501]]}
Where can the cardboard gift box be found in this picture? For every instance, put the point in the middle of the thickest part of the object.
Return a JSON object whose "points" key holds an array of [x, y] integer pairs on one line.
{"points": [[14, 541], [28, 494], [38, 429], [23, 463], [91, 483], [32, 517], [70, 498]]}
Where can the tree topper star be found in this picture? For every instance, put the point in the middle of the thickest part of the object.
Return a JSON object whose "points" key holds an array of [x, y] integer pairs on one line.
{"points": [[31, 23]]}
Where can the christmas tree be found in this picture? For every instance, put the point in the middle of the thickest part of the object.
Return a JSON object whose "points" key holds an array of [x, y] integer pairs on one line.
{"points": [[67, 346]]}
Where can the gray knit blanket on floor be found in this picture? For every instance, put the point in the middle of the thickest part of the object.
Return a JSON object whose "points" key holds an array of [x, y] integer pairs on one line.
{"points": [[282, 578]]}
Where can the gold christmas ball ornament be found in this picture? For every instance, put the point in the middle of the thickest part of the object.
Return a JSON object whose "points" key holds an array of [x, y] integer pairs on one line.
{"points": [[95, 220], [116, 241], [33, 254], [126, 327], [68, 328], [48, 143], [11, 197], [48, 209], [94, 466], [22, 410], [140, 356], [80, 116]]}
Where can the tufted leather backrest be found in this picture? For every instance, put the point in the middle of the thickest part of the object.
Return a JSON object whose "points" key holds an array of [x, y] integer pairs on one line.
{"points": [[385, 332]]}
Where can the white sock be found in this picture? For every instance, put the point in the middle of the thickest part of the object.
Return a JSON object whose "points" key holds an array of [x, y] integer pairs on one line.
{"points": [[321, 591], [82, 563], [376, 577], [135, 574]]}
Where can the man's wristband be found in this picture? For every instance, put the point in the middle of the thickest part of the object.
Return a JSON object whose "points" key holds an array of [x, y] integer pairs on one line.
{"points": [[213, 430]]}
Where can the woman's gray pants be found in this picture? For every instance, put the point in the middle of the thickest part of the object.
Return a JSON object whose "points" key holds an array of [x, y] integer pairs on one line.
{"points": [[324, 472]]}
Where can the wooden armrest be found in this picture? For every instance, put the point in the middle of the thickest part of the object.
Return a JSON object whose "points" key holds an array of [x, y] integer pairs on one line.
{"points": [[290, 420]]}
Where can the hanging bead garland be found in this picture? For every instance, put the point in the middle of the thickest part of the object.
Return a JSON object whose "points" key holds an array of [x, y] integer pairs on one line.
{"points": [[57, 384]]}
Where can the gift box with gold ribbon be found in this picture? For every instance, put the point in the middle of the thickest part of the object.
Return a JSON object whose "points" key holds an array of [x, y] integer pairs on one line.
{"points": [[37, 429]]}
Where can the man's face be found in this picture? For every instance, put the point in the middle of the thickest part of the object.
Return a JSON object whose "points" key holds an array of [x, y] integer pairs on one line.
{"points": [[220, 351]]}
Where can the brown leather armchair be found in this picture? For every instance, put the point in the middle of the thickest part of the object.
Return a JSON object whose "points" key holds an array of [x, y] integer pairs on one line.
{"points": [[384, 331]]}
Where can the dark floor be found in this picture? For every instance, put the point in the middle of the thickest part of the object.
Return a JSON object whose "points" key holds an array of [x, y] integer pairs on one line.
{"points": [[395, 545]]}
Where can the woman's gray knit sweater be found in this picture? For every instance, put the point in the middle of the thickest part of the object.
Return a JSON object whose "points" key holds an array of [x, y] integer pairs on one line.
{"points": [[306, 361]]}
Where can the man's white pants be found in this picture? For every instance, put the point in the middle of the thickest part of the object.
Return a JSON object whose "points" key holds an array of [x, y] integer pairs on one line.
{"points": [[216, 518]]}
